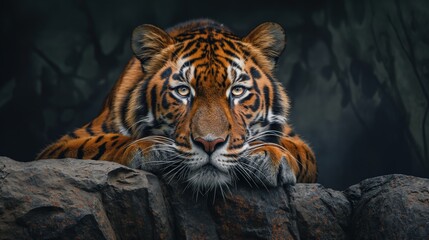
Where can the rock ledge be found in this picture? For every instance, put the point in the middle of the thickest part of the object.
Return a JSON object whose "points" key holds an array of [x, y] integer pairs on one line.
{"points": [[75, 199]]}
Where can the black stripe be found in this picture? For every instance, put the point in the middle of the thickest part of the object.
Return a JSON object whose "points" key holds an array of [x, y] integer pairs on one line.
{"points": [[153, 97], [99, 139], [177, 50], [247, 98], [104, 127], [114, 143], [88, 129], [306, 155], [141, 100], [230, 53], [182, 144], [244, 77], [189, 63], [256, 104], [147, 130], [166, 73], [121, 145], [80, 151], [165, 103], [276, 127], [189, 54], [114, 137], [267, 100], [177, 77], [63, 154], [255, 73], [229, 59], [220, 65], [255, 86], [72, 135], [52, 152], [101, 151], [277, 104], [230, 44], [188, 46], [169, 115], [243, 121]]}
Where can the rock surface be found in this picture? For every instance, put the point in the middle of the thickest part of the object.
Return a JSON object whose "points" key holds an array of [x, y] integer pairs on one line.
{"points": [[75, 199]]}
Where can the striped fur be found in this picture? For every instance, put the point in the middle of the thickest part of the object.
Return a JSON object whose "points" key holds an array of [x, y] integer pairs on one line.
{"points": [[200, 105]]}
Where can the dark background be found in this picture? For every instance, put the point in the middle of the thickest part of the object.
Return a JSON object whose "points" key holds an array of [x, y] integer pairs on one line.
{"points": [[356, 72]]}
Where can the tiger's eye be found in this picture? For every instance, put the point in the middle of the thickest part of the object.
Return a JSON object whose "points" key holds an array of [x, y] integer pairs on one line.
{"points": [[237, 91], [183, 91]]}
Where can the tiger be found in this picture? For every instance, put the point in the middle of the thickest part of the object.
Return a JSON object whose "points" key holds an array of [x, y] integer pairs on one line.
{"points": [[198, 104]]}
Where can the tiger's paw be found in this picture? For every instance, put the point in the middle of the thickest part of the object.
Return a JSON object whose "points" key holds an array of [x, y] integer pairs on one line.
{"points": [[143, 156], [268, 169], [285, 175]]}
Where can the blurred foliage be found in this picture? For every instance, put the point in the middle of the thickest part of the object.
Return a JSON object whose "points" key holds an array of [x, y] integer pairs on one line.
{"points": [[356, 71]]}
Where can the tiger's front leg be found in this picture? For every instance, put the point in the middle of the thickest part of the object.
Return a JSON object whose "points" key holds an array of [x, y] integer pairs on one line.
{"points": [[287, 163], [301, 158], [269, 165], [143, 154]]}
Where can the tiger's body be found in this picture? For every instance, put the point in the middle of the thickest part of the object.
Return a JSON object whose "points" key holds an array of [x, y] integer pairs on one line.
{"points": [[200, 105]]}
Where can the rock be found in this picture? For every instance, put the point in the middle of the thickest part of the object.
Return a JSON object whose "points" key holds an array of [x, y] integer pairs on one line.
{"points": [[192, 216], [390, 207], [322, 213], [70, 199], [255, 214], [243, 213], [76, 199]]}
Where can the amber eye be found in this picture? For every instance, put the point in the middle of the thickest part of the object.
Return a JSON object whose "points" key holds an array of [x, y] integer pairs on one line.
{"points": [[237, 91], [183, 91]]}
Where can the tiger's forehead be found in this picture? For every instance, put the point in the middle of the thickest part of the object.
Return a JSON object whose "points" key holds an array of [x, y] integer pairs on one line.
{"points": [[209, 55]]}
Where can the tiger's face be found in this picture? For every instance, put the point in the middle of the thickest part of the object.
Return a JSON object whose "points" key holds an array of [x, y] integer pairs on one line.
{"points": [[211, 96]]}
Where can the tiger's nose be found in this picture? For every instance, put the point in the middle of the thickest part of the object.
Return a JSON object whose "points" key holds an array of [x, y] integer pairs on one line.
{"points": [[209, 146]]}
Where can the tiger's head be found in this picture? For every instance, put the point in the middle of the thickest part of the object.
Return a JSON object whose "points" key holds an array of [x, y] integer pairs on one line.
{"points": [[209, 94]]}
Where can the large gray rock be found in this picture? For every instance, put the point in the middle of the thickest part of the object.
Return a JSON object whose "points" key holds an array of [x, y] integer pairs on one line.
{"points": [[390, 207], [70, 199], [75, 199], [321, 213], [243, 213]]}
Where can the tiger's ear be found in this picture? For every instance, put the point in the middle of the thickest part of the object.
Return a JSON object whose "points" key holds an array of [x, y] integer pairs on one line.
{"points": [[147, 41], [270, 38]]}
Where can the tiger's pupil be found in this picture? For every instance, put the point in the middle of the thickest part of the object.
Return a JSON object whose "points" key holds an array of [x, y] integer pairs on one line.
{"points": [[237, 91]]}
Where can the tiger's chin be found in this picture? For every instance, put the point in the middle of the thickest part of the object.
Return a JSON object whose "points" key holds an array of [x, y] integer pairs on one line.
{"points": [[208, 177]]}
